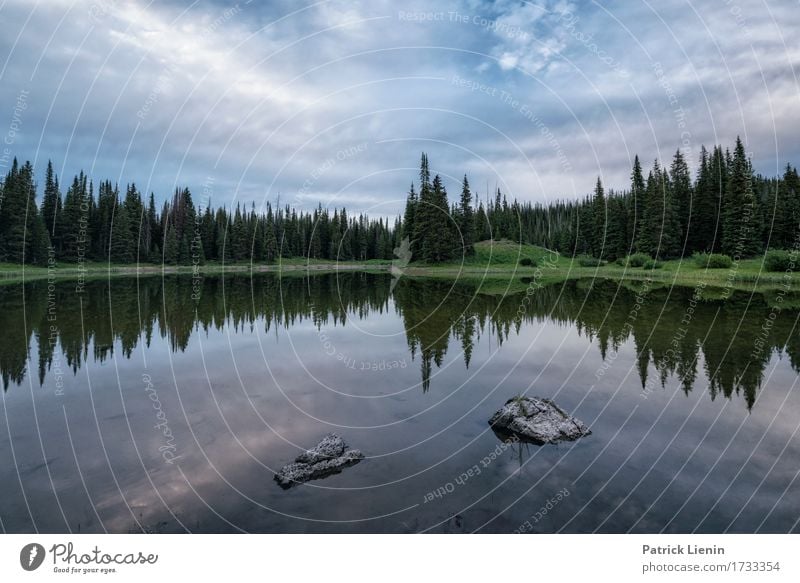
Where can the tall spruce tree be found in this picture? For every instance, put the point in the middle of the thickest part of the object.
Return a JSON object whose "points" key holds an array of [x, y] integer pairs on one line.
{"points": [[75, 221], [680, 182], [466, 219], [636, 208], [134, 209], [671, 234], [409, 216], [617, 240], [659, 233], [121, 243], [11, 207], [271, 243], [584, 227], [741, 220], [107, 200], [154, 228], [51, 204], [170, 256], [650, 226], [23, 236], [718, 172], [600, 220], [425, 217], [434, 225], [482, 232], [703, 221]]}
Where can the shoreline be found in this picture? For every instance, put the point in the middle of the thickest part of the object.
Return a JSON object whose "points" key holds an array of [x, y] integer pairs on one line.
{"points": [[513, 275]]}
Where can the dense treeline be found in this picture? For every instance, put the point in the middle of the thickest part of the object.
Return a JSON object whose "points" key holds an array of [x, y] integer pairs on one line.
{"points": [[127, 228], [724, 209]]}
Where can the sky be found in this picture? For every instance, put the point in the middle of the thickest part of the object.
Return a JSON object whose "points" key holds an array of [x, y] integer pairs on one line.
{"points": [[332, 102]]}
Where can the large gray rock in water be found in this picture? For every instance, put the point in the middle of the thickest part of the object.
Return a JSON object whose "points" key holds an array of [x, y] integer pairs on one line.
{"points": [[328, 457], [538, 420]]}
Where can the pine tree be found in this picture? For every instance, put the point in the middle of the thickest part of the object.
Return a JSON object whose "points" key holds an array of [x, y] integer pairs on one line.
{"points": [[718, 174], [208, 235], [134, 209], [440, 243], [424, 173], [183, 218], [156, 237], [51, 204], [315, 236], [703, 221], [107, 197], [239, 247], [466, 219], [496, 214], [121, 243], [12, 205], [584, 231], [680, 181], [670, 236], [482, 232], [651, 207], [636, 209], [223, 243], [409, 217], [617, 241], [40, 244], [741, 223], [170, 247], [425, 217], [147, 233], [659, 230], [271, 241], [23, 236], [789, 207], [600, 220], [435, 234], [75, 221], [259, 240]]}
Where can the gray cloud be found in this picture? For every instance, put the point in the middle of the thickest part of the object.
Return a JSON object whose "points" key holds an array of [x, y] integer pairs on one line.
{"points": [[332, 101]]}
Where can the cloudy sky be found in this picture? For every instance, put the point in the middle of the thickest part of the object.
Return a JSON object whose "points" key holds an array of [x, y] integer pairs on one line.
{"points": [[332, 101]]}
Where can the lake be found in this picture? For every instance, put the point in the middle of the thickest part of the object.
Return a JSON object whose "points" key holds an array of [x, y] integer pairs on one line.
{"points": [[163, 404]]}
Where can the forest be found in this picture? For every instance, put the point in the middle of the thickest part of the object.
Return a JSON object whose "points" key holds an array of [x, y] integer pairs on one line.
{"points": [[126, 228], [725, 208]]}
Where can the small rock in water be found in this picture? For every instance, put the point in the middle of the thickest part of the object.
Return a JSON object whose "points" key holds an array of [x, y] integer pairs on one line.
{"points": [[328, 457], [538, 420]]}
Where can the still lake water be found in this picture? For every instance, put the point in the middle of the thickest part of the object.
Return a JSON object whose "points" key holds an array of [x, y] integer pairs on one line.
{"points": [[134, 407]]}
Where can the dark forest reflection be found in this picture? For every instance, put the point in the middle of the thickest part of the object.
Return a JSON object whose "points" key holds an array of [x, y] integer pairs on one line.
{"points": [[731, 340]]}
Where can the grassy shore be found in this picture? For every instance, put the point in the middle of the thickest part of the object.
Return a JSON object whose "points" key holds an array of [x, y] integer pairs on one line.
{"points": [[500, 266], [10, 273], [494, 262]]}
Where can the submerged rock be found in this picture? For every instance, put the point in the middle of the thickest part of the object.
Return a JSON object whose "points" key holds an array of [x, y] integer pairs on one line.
{"points": [[538, 420], [328, 457]]}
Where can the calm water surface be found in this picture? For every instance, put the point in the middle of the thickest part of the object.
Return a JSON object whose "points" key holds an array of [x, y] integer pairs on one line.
{"points": [[150, 405]]}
